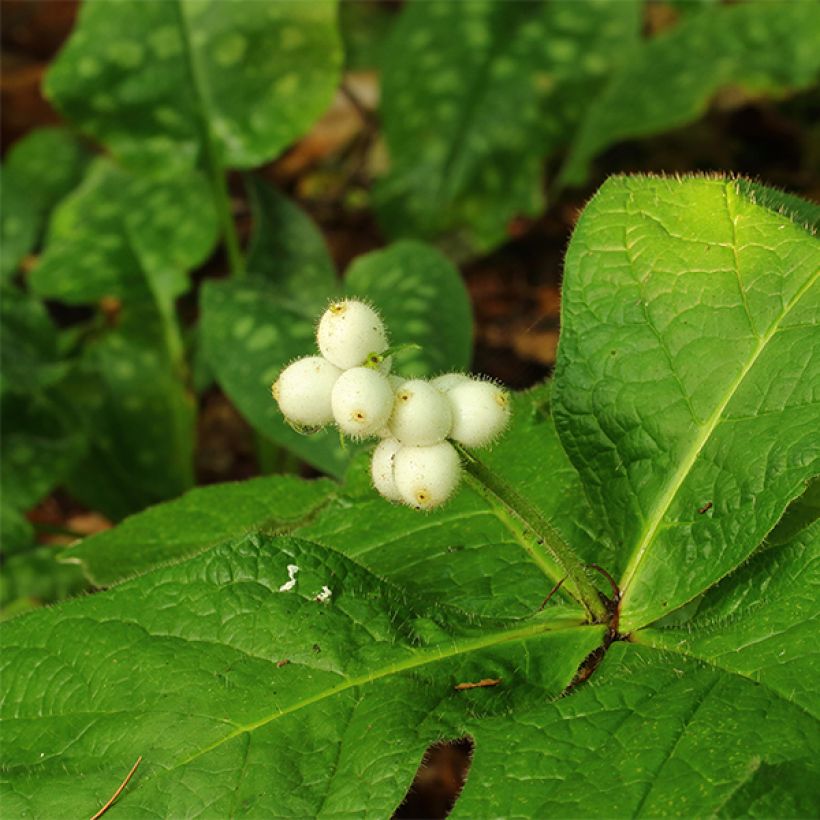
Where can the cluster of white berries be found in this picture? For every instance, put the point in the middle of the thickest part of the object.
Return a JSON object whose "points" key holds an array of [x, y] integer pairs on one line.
{"points": [[350, 385]]}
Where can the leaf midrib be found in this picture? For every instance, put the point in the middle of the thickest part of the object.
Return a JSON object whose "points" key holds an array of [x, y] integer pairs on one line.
{"points": [[680, 475], [432, 655]]}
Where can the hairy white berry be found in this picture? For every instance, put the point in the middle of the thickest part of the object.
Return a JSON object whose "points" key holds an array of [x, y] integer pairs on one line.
{"points": [[381, 469], [447, 381], [426, 476], [362, 401], [349, 331], [480, 412], [421, 414], [303, 391]]}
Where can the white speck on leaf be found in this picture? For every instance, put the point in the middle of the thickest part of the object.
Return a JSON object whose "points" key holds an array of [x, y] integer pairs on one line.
{"points": [[291, 582], [324, 596]]}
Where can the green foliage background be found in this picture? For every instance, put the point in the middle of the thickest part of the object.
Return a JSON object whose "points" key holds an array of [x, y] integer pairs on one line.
{"points": [[677, 445]]}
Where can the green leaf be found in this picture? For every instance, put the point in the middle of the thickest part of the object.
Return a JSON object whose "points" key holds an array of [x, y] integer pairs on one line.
{"points": [[760, 622], [764, 48], [116, 226], [40, 169], [29, 359], [287, 249], [687, 371], [468, 553], [802, 512], [201, 519], [252, 328], [139, 418], [652, 735], [475, 95], [36, 578], [165, 84], [242, 685]]}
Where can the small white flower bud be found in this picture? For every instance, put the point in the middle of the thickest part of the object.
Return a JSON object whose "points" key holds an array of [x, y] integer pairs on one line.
{"points": [[381, 469], [481, 411], [447, 381], [303, 391], [421, 414], [362, 401], [349, 331], [426, 476]]}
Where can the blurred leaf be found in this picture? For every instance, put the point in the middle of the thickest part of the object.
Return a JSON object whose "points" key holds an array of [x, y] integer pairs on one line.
{"points": [[475, 95], [16, 531], [29, 358], [287, 250], [251, 328], [139, 416], [687, 378], [201, 519], [762, 47], [41, 442], [36, 576], [156, 82], [39, 171], [116, 226], [365, 27]]}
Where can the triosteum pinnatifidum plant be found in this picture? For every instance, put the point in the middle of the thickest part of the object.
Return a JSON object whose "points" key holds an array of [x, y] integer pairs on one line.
{"points": [[283, 647]]}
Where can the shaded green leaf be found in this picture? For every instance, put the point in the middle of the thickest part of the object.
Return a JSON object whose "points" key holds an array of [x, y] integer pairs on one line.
{"points": [[139, 418], [36, 578], [158, 82], [687, 375], [116, 226], [761, 47], [277, 703], [201, 519], [39, 170], [475, 95], [287, 249]]}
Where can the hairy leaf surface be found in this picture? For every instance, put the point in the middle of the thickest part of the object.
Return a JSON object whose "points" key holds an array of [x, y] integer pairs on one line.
{"points": [[166, 85], [687, 378], [251, 698]]}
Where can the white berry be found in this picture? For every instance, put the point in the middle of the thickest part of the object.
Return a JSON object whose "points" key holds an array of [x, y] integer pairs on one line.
{"points": [[480, 412], [362, 401], [447, 381], [426, 476], [349, 331], [381, 469], [421, 414], [303, 391]]}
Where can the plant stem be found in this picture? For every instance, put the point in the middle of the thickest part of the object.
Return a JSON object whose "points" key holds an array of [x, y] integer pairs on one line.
{"points": [[236, 260], [488, 484]]}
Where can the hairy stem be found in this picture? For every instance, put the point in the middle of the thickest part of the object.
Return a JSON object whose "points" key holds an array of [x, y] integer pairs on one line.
{"points": [[488, 484]]}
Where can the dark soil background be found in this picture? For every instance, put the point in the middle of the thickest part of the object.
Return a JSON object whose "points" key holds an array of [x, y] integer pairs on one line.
{"points": [[515, 290]]}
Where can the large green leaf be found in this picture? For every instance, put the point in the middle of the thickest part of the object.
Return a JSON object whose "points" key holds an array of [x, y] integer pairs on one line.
{"points": [[687, 378], [475, 95], [116, 226], [652, 735], [39, 170], [163, 84], [252, 698], [203, 518], [252, 327], [761, 622], [139, 417], [761, 47]]}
